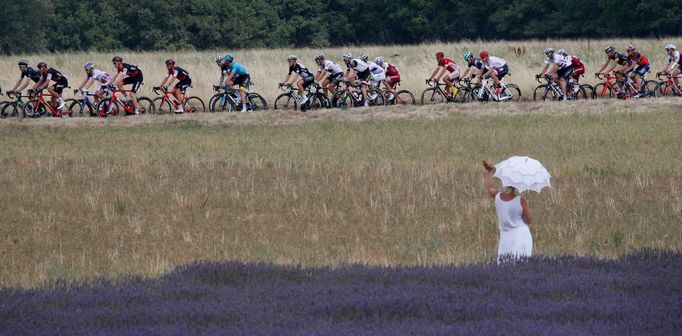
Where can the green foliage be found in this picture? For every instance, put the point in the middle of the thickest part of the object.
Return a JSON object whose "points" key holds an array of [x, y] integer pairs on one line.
{"points": [[61, 25]]}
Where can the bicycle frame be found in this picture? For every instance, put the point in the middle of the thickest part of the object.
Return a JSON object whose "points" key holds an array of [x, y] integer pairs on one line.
{"points": [[167, 97], [53, 111], [670, 83], [487, 89]]}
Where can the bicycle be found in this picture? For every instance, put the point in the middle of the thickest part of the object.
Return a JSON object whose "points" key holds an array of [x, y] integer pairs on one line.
{"points": [[167, 102], [402, 97], [82, 107], [436, 95], [668, 87], [111, 105], [13, 108], [290, 100], [39, 107], [574, 91], [229, 100], [605, 89], [350, 97], [485, 92]]}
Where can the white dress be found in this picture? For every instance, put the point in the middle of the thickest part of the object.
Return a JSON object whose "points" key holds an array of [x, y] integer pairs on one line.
{"points": [[515, 237]]}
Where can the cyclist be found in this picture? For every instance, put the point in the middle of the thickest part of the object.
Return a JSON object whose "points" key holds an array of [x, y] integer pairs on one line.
{"points": [[28, 74], [674, 64], [621, 62], [302, 77], [127, 74], [51, 74], [358, 70], [444, 64], [642, 64], [392, 78], [92, 75], [559, 68], [236, 75], [328, 73], [378, 76], [576, 64], [496, 68], [475, 65], [184, 81]]}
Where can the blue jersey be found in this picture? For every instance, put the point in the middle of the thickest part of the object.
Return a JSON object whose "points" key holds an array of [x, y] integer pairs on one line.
{"points": [[238, 69]]}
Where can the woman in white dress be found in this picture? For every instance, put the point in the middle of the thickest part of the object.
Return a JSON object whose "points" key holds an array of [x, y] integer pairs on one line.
{"points": [[513, 217]]}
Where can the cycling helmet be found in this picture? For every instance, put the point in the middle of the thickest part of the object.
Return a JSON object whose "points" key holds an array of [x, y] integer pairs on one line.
{"points": [[170, 61], [484, 54], [467, 55], [440, 54], [23, 62], [228, 58], [631, 47], [364, 57], [218, 58], [670, 46], [347, 56], [609, 49], [88, 66], [292, 58], [319, 57], [549, 51], [562, 52], [42, 65], [379, 60], [117, 59]]}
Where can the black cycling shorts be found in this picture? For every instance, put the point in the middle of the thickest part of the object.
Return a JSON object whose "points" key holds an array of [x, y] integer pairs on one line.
{"points": [[565, 73], [307, 81], [184, 84], [60, 85], [334, 78], [503, 71], [135, 81], [242, 80]]}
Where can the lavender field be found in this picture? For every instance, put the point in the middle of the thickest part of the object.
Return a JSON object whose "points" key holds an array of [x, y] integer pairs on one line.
{"points": [[639, 294]]}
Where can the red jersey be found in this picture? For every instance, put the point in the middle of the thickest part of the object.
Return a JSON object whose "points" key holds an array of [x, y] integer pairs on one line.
{"points": [[448, 64], [391, 70], [639, 58]]}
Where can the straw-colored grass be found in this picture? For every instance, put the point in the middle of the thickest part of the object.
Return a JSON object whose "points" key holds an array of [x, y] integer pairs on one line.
{"points": [[94, 197], [268, 66]]}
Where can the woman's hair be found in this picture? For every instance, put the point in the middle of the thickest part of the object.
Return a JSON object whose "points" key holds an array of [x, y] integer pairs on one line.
{"points": [[511, 190]]}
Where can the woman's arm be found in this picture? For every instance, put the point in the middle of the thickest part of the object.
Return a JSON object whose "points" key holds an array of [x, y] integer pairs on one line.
{"points": [[526, 211], [489, 179]]}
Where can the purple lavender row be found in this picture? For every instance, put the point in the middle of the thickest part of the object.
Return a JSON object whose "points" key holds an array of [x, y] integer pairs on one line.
{"points": [[640, 294]]}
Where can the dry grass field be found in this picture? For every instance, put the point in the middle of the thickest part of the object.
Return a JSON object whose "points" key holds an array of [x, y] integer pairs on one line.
{"points": [[89, 197], [268, 66]]}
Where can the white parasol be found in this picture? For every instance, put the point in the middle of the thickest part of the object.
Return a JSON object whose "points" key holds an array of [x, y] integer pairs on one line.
{"points": [[522, 173]]}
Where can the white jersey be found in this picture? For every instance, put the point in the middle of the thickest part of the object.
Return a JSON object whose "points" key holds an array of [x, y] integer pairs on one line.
{"points": [[495, 62], [560, 60], [378, 73], [330, 67], [102, 76], [674, 59], [358, 65]]}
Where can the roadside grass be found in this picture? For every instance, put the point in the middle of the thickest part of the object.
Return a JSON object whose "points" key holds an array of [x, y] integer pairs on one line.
{"points": [[89, 197]]}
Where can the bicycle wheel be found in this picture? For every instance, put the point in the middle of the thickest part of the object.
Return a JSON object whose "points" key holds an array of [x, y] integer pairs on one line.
{"points": [[513, 92], [146, 105], [580, 94], [257, 102], [211, 102], [602, 91], [79, 108], [194, 104], [404, 97], [286, 102], [375, 97], [432, 96], [222, 103], [30, 110], [316, 102], [589, 91], [162, 106], [106, 108], [650, 89], [9, 110], [541, 92]]}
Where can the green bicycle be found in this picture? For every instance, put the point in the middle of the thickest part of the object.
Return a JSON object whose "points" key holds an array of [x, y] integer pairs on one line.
{"points": [[13, 108]]}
